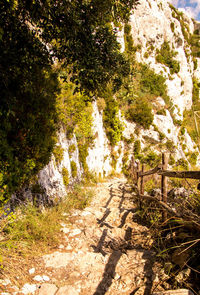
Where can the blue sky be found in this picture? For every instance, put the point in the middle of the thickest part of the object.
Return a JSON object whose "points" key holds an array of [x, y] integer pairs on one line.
{"points": [[192, 7]]}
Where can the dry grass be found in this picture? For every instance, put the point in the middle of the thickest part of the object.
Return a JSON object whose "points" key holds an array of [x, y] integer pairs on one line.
{"points": [[30, 232]]}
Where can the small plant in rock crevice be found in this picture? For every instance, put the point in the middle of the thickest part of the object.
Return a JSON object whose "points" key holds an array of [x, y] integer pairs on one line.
{"points": [[73, 169], [167, 57], [65, 175], [58, 153]]}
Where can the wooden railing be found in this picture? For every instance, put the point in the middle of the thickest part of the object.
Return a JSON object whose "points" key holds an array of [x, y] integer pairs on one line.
{"points": [[164, 173]]}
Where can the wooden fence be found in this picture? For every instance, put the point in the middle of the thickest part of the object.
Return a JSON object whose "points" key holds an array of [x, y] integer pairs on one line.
{"points": [[164, 173]]}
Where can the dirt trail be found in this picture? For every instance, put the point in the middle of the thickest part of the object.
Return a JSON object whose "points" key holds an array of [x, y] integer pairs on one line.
{"points": [[104, 251]]}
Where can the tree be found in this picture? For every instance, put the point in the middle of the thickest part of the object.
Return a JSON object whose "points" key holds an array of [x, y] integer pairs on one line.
{"points": [[33, 33], [28, 88], [81, 34]]}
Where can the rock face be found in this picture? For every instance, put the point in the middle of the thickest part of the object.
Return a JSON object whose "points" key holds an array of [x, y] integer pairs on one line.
{"points": [[151, 26], [152, 23]]}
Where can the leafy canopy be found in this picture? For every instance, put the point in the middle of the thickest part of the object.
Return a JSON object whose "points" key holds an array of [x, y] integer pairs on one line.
{"points": [[33, 34], [80, 32]]}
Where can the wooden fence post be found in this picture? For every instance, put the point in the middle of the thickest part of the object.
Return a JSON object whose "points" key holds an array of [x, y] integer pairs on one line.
{"points": [[137, 175], [142, 182], [164, 185]]}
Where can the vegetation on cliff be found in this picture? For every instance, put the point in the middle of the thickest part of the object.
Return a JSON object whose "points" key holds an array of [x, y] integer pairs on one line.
{"points": [[33, 34]]}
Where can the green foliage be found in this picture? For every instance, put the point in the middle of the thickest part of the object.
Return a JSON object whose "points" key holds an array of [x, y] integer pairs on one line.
{"points": [[190, 120], [161, 112], [82, 35], [65, 175], [151, 82], [79, 198], [73, 169], [182, 130], [31, 226], [152, 159], [27, 109], [125, 165], [58, 154], [128, 39], [172, 27], [171, 160], [36, 188], [192, 158], [71, 149], [195, 91], [75, 111], [141, 113], [195, 47], [101, 104], [79, 34], [182, 164], [83, 153], [166, 56], [195, 64], [170, 145], [31, 232], [138, 91], [114, 157], [137, 149], [111, 121], [161, 135]]}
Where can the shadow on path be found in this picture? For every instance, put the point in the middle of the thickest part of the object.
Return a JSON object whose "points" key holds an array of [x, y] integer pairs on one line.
{"points": [[110, 199], [123, 219], [99, 247], [109, 272], [117, 251]]}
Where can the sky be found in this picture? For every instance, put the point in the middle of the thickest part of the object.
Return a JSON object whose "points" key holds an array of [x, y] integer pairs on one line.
{"points": [[192, 7]]}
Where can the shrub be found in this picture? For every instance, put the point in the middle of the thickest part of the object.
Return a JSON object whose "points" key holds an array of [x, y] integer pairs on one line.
{"points": [[161, 112], [171, 160], [111, 121], [101, 104], [152, 82], [128, 39], [161, 135], [141, 113], [137, 148], [192, 158], [172, 27], [170, 145], [125, 164], [152, 159], [182, 130], [71, 149], [195, 91], [58, 154], [73, 169], [166, 56], [65, 175], [195, 64], [182, 164]]}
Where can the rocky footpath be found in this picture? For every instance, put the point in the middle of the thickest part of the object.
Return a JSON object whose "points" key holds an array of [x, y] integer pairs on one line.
{"points": [[104, 251]]}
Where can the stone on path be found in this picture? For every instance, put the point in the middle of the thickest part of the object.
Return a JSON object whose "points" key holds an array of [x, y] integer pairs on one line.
{"points": [[39, 278], [31, 271], [67, 290], [175, 292], [29, 289], [57, 259], [47, 289]]}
